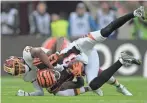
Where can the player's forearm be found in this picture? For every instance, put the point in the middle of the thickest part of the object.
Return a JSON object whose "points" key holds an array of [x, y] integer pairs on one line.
{"points": [[39, 53], [59, 44], [44, 58]]}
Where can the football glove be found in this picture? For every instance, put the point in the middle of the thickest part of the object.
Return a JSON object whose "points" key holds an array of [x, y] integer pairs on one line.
{"points": [[77, 68], [22, 93]]}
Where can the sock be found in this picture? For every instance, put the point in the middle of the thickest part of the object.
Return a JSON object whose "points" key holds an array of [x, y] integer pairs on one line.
{"points": [[104, 76], [113, 81], [105, 32]]}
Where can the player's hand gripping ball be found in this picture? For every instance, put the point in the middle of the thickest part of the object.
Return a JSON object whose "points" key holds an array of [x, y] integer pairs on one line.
{"points": [[46, 78]]}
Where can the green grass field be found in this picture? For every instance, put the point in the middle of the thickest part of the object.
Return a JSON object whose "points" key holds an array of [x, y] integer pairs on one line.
{"points": [[137, 85]]}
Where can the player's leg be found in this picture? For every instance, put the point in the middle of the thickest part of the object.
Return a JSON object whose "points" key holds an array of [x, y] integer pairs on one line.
{"points": [[38, 90], [87, 43], [91, 70], [112, 81], [119, 87], [73, 88], [31, 77], [108, 73], [73, 84], [105, 32]]}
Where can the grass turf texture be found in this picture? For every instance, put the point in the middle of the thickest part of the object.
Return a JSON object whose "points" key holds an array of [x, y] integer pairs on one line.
{"points": [[137, 85]]}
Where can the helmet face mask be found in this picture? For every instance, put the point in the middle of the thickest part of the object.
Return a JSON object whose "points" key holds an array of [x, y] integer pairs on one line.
{"points": [[14, 66]]}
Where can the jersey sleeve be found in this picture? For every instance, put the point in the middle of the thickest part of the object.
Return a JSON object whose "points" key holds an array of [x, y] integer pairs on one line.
{"points": [[27, 54], [28, 58]]}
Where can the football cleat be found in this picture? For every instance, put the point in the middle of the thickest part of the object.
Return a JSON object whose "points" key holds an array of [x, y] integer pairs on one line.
{"points": [[140, 12], [128, 60], [123, 90], [99, 92]]}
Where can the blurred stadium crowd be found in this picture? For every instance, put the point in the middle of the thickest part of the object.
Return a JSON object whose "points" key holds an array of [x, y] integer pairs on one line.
{"points": [[71, 20]]}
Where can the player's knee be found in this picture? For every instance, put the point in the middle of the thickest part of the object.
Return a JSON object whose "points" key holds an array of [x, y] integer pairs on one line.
{"points": [[40, 93]]}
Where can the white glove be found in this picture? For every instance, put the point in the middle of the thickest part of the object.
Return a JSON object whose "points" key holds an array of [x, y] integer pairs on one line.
{"points": [[22, 93]]}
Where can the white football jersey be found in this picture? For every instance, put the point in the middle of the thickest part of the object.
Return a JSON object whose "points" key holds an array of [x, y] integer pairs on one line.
{"points": [[30, 74], [72, 53]]}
